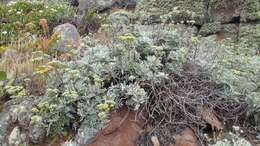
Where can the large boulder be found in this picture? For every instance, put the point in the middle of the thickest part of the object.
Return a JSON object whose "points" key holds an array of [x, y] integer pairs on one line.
{"points": [[68, 39]]}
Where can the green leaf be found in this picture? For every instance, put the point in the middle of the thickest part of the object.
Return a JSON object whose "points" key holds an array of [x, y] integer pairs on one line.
{"points": [[3, 75]]}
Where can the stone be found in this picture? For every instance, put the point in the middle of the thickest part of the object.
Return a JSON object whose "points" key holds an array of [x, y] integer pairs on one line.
{"points": [[4, 125], [68, 39], [86, 135], [15, 137], [103, 5], [21, 113], [97, 5], [128, 4], [74, 3], [230, 31], [37, 133], [69, 143], [24, 116], [224, 11], [210, 28], [13, 114]]}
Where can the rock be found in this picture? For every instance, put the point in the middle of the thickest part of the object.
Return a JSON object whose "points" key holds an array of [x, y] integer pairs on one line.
{"points": [[68, 38], [74, 3], [230, 31], [15, 137], [24, 116], [128, 4], [224, 11], [97, 5], [37, 133], [69, 143], [223, 31], [103, 5], [210, 28], [21, 113], [4, 125], [13, 114], [86, 135]]}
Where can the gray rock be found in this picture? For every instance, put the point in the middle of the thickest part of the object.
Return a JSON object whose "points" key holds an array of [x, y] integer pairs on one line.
{"points": [[13, 114], [37, 133], [69, 38], [15, 137], [128, 4], [224, 11], [4, 125], [102, 5], [86, 135], [69, 143], [24, 116], [98, 5], [21, 114], [210, 28]]}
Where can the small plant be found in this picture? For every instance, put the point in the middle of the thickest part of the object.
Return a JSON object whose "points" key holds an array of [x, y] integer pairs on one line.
{"points": [[3, 75]]}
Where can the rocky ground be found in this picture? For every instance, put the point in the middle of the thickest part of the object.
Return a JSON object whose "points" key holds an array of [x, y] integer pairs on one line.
{"points": [[225, 21]]}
